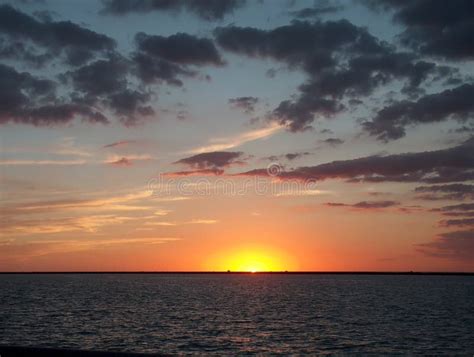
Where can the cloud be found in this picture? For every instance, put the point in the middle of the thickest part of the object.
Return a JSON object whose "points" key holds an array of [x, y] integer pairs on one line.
{"points": [[209, 163], [168, 59], [209, 10], [459, 214], [119, 143], [180, 48], [41, 162], [340, 59], [459, 207], [197, 172], [63, 38], [23, 98], [456, 245], [90, 223], [100, 77], [302, 193], [162, 212], [126, 160], [445, 192], [93, 88], [333, 141], [152, 70], [247, 104], [29, 249], [434, 28], [225, 143], [365, 204], [213, 160], [105, 82], [458, 222], [203, 221], [391, 121], [60, 205], [289, 156], [172, 224], [121, 162], [446, 165]]}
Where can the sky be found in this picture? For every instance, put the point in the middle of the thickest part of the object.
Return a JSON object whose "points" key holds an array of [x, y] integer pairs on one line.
{"points": [[236, 135]]}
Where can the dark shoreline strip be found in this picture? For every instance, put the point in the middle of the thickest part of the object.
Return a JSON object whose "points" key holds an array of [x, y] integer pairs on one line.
{"points": [[17, 351], [244, 273]]}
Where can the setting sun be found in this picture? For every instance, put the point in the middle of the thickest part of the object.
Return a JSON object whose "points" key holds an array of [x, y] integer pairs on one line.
{"points": [[251, 260]]}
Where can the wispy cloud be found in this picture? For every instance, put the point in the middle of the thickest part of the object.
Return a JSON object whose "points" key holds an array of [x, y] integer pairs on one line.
{"points": [[225, 143], [64, 147], [107, 202], [122, 203], [28, 249], [126, 160], [162, 212], [60, 225], [119, 143], [303, 193], [42, 162], [193, 221]]}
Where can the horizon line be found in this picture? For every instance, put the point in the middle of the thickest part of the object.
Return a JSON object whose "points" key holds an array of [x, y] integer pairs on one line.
{"points": [[282, 272]]}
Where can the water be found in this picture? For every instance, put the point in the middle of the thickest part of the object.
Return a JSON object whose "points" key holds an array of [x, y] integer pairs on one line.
{"points": [[228, 314]]}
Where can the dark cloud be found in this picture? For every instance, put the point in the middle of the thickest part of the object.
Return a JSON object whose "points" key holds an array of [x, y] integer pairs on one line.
{"points": [[464, 222], [435, 28], [213, 160], [290, 156], [297, 115], [326, 131], [55, 114], [105, 82], [59, 38], [94, 86], [30, 100], [459, 214], [365, 204], [446, 192], [463, 214], [20, 51], [333, 141], [121, 162], [119, 143], [168, 59], [180, 48], [438, 166], [459, 207], [457, 245], [197, 172], [247, 104], [341, 60], [100, 77], [205, 9], [150, 70], [300, 43], [130, 105], [391, 121], [87, 91], [296, 155]]}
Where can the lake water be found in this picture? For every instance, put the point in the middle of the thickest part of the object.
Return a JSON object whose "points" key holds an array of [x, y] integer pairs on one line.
{"points": [[229, 314]]}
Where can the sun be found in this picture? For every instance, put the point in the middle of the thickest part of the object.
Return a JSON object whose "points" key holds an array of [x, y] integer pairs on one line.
{"points": [[252, 260], [250, 266]]}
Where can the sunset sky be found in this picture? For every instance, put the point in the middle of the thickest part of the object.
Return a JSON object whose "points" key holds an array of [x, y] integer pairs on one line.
{"points": [[236, 135]]}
